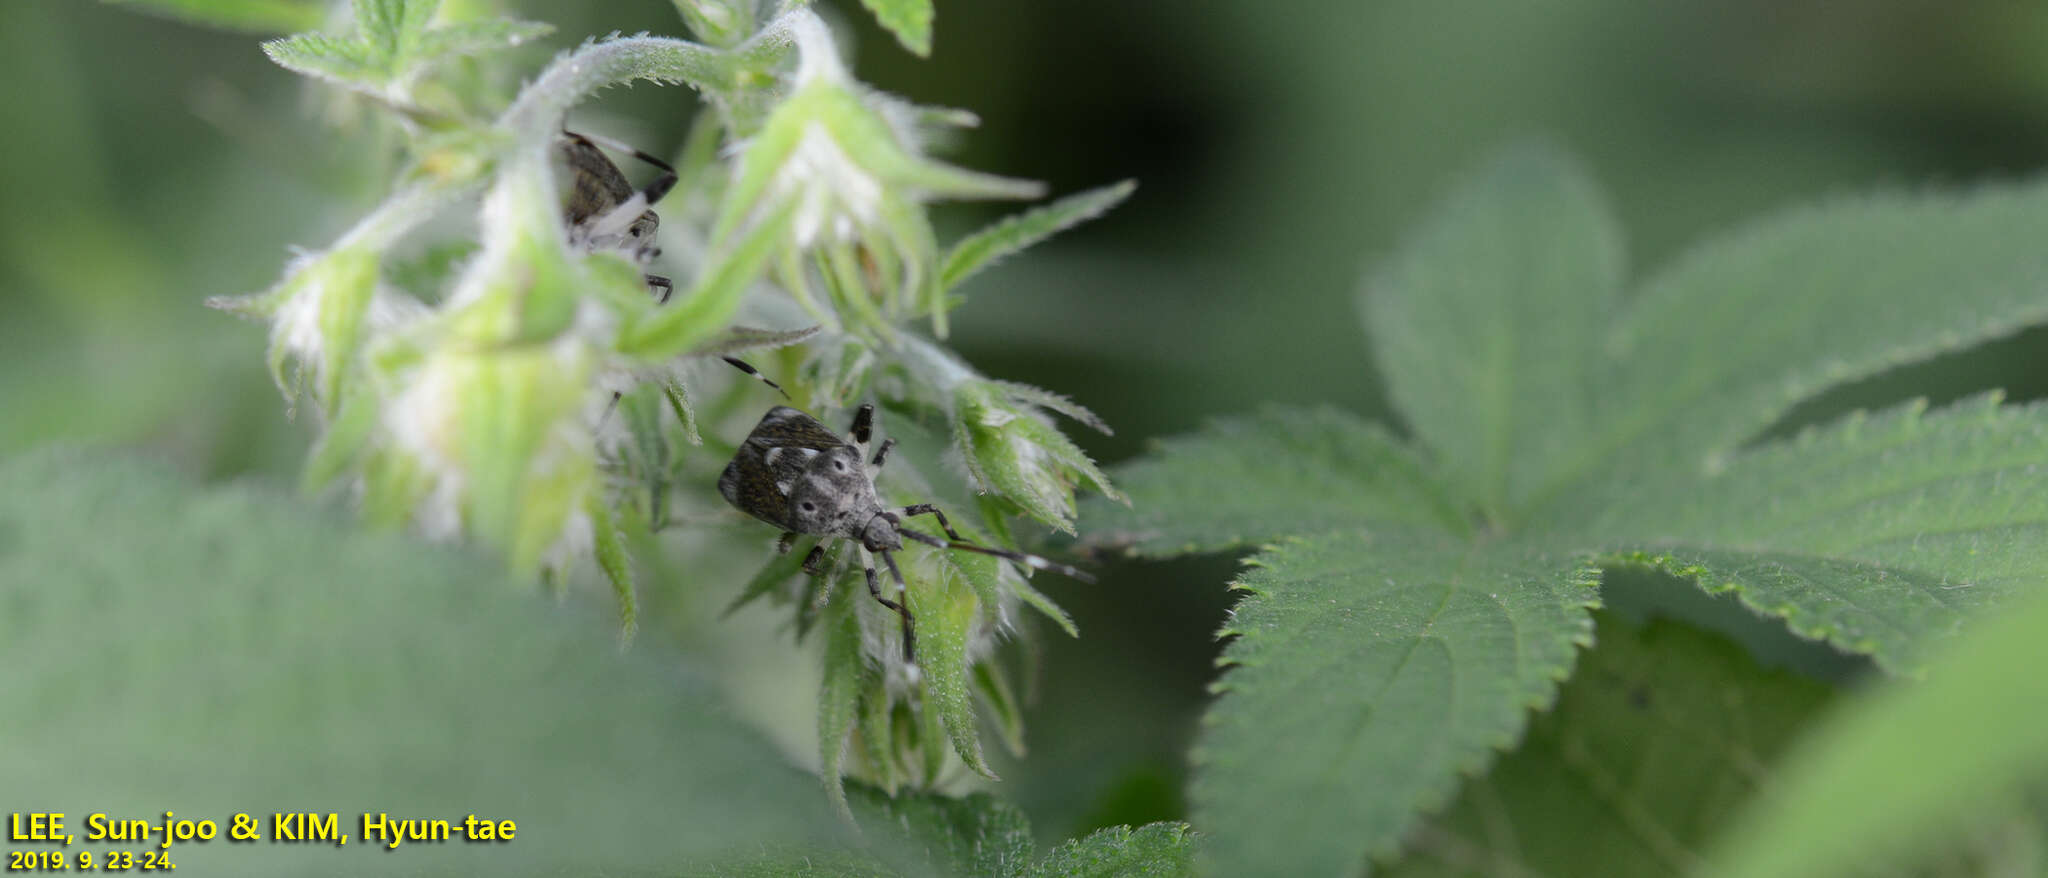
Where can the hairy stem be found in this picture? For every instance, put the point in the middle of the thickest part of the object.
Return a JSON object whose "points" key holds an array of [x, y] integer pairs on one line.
{"points": [[537, 113]]}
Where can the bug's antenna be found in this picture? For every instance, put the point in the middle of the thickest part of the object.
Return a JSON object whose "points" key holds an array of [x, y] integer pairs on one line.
{"points": [[902, 591], [1029, 560], [748, 368]]}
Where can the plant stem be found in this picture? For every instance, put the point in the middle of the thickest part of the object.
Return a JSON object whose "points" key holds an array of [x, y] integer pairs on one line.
{"points": [[537, 113]]}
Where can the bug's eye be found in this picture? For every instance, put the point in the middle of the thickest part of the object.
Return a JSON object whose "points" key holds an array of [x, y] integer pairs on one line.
{"points": [[839, 465], [635, 232], [809, 506]]}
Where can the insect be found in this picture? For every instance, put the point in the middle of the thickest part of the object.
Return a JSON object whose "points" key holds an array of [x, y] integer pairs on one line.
{"points": [[605, 212], [795, 473]]}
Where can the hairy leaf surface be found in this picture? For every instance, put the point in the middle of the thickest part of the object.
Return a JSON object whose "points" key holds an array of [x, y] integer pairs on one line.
{"points": [[1370, 669], [1661, 735], [1155, 850], [1247, 480], [1557, 424], [1011, 234], [1488, 323], [239, 653], [909, 20], [919, 834], [1876, 534], [1722, 343]]}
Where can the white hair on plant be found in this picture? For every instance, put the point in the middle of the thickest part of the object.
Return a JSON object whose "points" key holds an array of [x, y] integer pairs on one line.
{"points": [[421, 421], [296, 325], [817, 55], [836, 198], [577, 542], [391, 308], [439, 514]]}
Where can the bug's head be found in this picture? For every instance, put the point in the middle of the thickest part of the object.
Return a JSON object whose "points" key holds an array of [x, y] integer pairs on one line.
{"points": [[834, 495], [880, 534], [643, 228]]}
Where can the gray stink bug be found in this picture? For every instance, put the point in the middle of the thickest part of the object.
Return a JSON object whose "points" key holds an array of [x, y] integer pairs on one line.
{"points": [[795, 473], [605, 212]]}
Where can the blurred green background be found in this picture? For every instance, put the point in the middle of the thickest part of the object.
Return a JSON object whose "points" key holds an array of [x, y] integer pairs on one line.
{"points": [[151, 164]]}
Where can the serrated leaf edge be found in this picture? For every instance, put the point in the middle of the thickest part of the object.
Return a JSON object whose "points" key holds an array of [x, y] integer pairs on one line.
{"points": [[1585, 572]]}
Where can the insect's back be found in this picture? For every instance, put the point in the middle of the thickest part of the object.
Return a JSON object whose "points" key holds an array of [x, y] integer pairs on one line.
{"points": [[791, 459], [595, 184], [596, 187]]}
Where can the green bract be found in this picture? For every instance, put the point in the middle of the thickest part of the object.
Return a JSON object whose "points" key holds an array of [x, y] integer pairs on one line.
{"points": [[843, 160], [529, 394]]}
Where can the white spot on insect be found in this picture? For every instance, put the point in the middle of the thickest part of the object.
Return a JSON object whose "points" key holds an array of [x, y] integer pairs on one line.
{"points": [[782, 488], [808, 453], [770, 457]]}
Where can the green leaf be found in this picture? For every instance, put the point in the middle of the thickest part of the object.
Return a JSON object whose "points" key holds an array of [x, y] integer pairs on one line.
{"points": [[972, 835], [348, 281], [1722, 343], [839, 700], [1858, 607], [261, 16], [1905, 768], [1878, 534], [946, 607], [1388, 646], [1155, 850], [393, 44], [1369, 670], [909, 20], [1488, 324], [344, 61], [338, 449], [1038, 396], [1014, 233], [477, 37], [393, 27], [711, 302], [774, 574], [272, 654], [1661, 735], [1038, 601], [976, 835], [1248, 480], [992, 689], [915, 834], [720, 23], [612, 559]]}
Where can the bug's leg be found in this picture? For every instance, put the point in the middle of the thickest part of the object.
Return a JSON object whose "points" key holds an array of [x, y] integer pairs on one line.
{"points": [[933, 511], [863, 428], [786, 542], [748, 368], [662, 288], [812, 560], [1027, 559], [882, 453], [902, 591], [608, 409], [840, 561]]}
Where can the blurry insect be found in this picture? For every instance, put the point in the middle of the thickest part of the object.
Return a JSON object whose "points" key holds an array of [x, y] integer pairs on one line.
{"points": [[795, 473], [605, 212]]}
